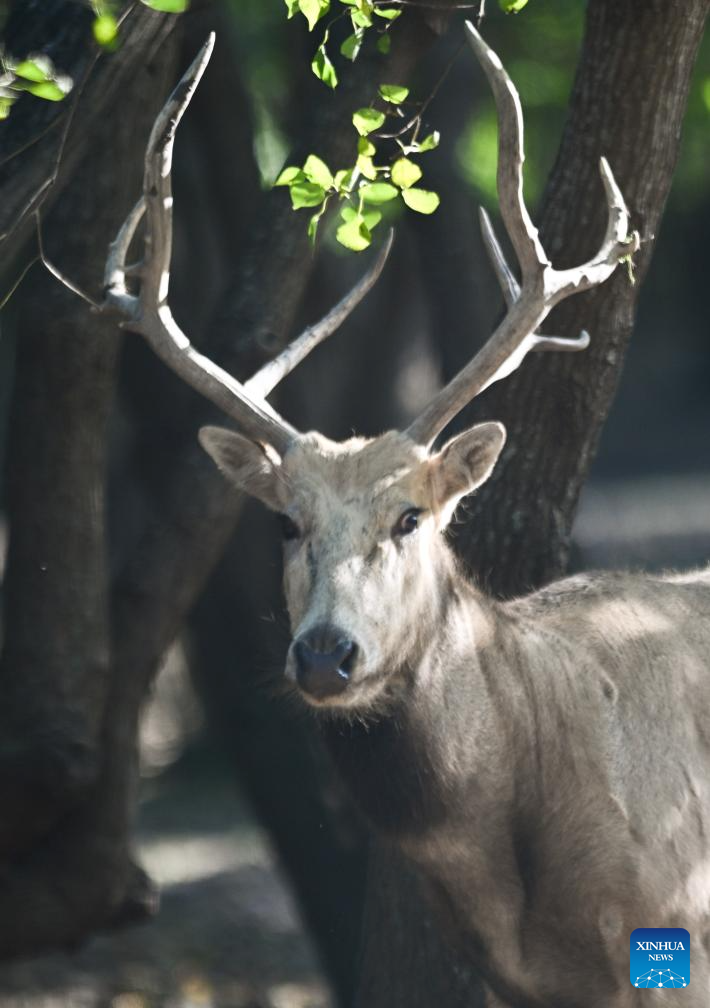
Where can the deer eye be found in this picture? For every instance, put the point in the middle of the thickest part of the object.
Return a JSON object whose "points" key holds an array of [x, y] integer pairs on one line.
{"points": [[289, 529], [407, 522]]}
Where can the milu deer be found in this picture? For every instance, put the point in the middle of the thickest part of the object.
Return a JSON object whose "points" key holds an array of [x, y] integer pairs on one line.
{"points": [[544, 762]]}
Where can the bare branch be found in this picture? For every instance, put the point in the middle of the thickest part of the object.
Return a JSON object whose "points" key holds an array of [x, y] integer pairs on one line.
{"points": [[57, 273], [272, 373]]}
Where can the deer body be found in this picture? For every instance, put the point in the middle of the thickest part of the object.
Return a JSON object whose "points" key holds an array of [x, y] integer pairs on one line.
{"points": [[545, 762], [553, 787]]}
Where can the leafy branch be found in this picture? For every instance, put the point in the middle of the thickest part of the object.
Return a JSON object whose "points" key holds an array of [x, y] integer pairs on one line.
{"points": [[35, 75], [362, 14], [373, 179], [106, 22]]}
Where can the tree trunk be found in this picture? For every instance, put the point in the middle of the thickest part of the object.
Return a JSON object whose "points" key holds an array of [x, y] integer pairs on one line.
{"points": [[628, 103], [64, 869], [42, 142], [76, 667]]}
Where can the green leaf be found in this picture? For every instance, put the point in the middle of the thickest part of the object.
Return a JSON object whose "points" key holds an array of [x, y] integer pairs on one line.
{"points": [[37, 69], [350, 48], [378, 192], [431, 142], [512, 6], [318, 171], [361, 20], [105, 29], [384, 44], [405, 173], [5, 106], [371, 217], [421, 200], [49, 90], [393, 93], [343, 180], [322, 66], [290, 175], [292, 7], [365, 120], [306, 194], [366, 166], [167, 6], [365, 146], [313, 11], [389, 13], [354, 234]]}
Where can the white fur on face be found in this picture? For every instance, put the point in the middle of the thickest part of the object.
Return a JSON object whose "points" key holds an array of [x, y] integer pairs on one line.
{"points": [[348, 570]]}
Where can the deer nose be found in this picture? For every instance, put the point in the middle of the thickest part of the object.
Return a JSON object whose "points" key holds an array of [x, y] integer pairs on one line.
{"points": [[324, 659]]}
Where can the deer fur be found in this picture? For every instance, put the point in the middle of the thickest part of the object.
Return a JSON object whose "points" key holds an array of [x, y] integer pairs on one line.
{"points": [[544, 762]]}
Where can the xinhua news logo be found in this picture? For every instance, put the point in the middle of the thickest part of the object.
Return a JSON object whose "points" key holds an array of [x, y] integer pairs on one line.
{"points": [[660, 957]]}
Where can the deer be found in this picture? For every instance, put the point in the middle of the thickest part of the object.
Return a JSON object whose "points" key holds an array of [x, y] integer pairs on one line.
{"points": [[571, 725]]}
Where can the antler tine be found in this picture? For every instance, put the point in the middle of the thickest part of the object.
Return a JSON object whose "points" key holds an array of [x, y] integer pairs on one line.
{"points": [[617, 243], [508, 284], [542, 286], [274, 371], [511, 156], [511, 290], [148, 312]]}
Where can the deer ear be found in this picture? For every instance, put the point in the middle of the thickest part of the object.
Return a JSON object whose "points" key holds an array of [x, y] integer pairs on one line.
{"points": [[249, 466], [465, 463]]}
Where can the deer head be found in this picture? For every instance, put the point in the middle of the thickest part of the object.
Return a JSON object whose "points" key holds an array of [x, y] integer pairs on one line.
{"points": [[365, 565], [364, 559]]}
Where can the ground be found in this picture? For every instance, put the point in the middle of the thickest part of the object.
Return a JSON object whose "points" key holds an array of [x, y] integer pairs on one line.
{"points": [[228, 933]]}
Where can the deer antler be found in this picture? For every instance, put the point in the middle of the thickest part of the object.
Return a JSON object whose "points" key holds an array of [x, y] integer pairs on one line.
{"points": [[148, 312], [541, 285], [268, 376], [511, 292]]}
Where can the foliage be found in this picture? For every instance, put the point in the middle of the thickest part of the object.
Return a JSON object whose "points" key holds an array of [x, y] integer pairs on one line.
{"points": [[363, 15], [106, 21], [361, 188], [35, 75], [371, 180]]}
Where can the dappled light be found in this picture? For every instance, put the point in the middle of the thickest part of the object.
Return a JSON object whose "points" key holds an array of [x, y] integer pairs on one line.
{"points": [[425, 758]]}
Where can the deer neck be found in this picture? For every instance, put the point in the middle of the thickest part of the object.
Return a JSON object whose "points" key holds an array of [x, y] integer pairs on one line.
{"points": [[409, 763]]}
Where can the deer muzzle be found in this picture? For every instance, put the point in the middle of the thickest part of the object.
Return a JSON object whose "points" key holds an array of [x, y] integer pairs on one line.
{"points": [[323, 658]]}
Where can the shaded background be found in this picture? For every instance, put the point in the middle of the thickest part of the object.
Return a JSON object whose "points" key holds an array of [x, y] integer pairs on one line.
{"points": [[239, 927]]}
